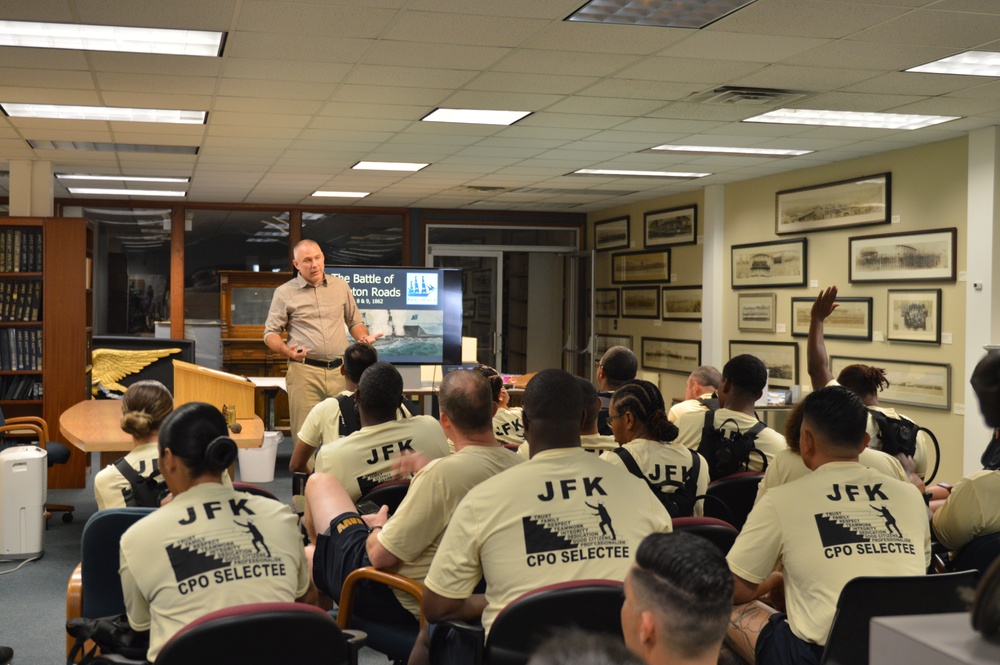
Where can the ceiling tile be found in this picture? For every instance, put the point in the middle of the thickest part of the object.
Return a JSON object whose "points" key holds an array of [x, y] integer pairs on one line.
{"points": [[528, 83], [805, 18], [719, 45], [409, 77], [285, 70], [689, 69], [331, 20], [537, 61], [929, 27], [442, 28], [432, 55]]}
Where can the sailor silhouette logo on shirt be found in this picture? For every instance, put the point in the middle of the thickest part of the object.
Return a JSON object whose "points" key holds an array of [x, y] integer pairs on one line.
{"points": [[222, 549], [579, 530], [861, 526]]}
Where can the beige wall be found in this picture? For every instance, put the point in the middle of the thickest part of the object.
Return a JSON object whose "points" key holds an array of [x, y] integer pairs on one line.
{"points": [[929, 191]]}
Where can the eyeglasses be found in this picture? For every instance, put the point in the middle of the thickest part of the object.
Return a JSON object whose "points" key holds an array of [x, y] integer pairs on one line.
{"points": [[610, 419]]}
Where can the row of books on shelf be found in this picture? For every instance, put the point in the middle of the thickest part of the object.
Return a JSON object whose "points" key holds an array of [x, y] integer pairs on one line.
{"points": [[20, 300], [21, 250], [20, 387], [21, 349]]}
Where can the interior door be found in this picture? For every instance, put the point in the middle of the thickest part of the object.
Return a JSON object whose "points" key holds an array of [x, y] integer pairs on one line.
{"points": [[482, 297]]}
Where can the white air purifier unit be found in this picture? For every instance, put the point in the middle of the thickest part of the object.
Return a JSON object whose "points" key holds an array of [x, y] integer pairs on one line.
{"points": [[23, 490]]}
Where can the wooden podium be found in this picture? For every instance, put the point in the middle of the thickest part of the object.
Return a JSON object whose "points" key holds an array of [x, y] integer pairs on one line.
{"points": [[193, 383]]}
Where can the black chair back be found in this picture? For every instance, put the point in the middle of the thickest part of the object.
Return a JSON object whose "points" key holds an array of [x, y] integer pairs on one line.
{"points": [[390, 494], [731, 498], [592, 605], [866, 597], [99, 560], [720, 533]]}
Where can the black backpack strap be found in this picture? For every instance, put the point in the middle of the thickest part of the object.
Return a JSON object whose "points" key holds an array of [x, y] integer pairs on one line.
{"points": [[349, 419], [708, 430], [130, 474], [630, 463], [691, 485]]}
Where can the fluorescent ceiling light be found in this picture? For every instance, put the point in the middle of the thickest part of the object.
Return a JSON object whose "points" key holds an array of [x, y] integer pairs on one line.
{"points": [[723, 150], [123, 192], [663, 13], [851, 119], [343, 195], [111, 38], [38, 144], [65, 112], [119, 178], [389, 166], [641, 174], [475, 116], [970, 63]]}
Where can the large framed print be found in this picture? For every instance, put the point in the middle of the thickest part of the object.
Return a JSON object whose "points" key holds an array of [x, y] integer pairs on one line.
{"points": [[756, 312], [673, 226], [915, 315], [852, 319], [681, 303], [769, 264], [860, 201], [641, 302], [612, 234], [635, 267], [924, 256], [604, 342], [914, 383], [780, 358], [606, 303], [677, 356]]}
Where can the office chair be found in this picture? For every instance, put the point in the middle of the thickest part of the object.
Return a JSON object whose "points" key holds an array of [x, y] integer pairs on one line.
{"points": [[720, 533], [35, 428], [390, 493], [393, 639], [95, 588], [591, 605], [256, 490], [866, 597], [731, 497]]}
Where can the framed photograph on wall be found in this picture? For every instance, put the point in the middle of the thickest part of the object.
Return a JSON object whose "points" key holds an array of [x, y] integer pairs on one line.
{"points": [[851, 320], [634, 267], [678, 356], [480, 281], [673, 226], [641, 302], [606, 303], [468, 308], [914, 383], [914, 315], [780, 358], [681, 303], [923, 256], [860, 201], [604, 342], [612, 234], [769, 264], [756, 312]]}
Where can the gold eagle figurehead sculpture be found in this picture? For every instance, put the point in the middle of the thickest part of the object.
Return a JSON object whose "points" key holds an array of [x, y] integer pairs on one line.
{"points": [[112, 365]]}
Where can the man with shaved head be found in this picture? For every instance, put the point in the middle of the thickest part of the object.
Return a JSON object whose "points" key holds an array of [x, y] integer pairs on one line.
{"points": [[563, 515]]}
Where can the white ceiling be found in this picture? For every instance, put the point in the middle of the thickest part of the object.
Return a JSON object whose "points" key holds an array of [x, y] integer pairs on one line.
{"points": [[307, 88]]}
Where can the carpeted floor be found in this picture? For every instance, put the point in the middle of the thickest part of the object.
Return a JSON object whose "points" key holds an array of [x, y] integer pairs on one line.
{"points": [[33, 598]]}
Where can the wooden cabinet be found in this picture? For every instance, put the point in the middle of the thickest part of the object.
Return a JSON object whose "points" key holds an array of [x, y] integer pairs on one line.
{"points": [[59, 376]]}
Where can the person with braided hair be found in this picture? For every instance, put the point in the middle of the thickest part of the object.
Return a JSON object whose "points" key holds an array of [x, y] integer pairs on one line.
{"points": [[864, 381], [195, 554], [638, 419]]}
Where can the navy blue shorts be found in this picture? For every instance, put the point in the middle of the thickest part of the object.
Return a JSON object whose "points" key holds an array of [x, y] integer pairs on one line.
{"points": [[340, 550], [778, 645]]}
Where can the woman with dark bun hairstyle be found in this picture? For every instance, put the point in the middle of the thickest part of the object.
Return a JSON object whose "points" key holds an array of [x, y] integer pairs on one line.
{"points": [[211, 547], [144, 406], [507, 424], [638, 419]]}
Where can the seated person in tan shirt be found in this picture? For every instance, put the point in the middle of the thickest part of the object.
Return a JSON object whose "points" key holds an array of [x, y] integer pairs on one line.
{"points": [[590, 439], [701, 384]]}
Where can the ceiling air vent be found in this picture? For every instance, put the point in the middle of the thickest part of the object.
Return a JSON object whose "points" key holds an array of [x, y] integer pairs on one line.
{"points": [[483, 189], [742, 96]]}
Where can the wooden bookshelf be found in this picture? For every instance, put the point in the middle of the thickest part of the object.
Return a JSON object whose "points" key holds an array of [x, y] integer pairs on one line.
{"points": [[65, 323]]}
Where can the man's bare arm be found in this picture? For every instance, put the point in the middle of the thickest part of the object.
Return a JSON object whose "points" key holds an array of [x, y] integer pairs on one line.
{"points": [[816, 356]]}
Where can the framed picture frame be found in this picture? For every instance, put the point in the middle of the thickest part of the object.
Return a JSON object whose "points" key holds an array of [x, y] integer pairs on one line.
{"points": [[480, 280], [468, 308], [756, 312], [780, 358], [677, 356], [852, 319], [914, 383], [636, 267], [922, 256], [640, 302], [863, 201], [680, 303], [612, 233], [769, 264], [914, 315], [607, 303], [483, 307], [670, 226], [604, 342]]}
